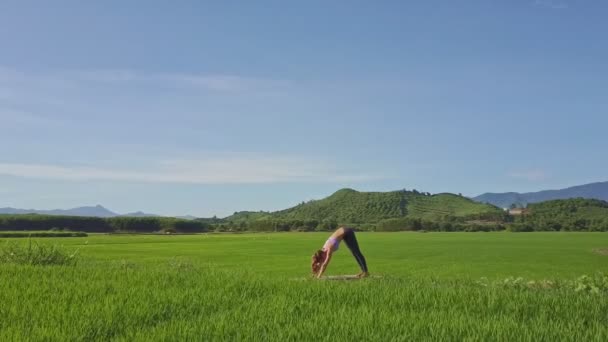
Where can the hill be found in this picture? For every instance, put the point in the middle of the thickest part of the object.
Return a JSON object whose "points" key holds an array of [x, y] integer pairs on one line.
{"points": [[504, 200], [351, 206], [247, 216], [348, 206]]}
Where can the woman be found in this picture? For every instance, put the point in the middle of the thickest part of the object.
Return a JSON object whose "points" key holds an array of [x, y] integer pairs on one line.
{"points": [[321, 258]]}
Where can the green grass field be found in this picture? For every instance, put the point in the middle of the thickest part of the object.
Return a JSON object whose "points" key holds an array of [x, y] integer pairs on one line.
{"points": [[433, 286]]}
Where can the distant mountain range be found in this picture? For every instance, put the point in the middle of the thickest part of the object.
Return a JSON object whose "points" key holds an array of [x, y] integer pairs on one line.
{"points": [[96, 211], [504, 200]]}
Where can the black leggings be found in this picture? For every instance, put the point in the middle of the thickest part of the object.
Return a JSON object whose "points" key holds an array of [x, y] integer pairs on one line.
{"points": [[351, 243]]}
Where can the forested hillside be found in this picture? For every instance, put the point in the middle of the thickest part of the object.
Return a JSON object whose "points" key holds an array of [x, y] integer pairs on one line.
{"points": [[577, 214]]}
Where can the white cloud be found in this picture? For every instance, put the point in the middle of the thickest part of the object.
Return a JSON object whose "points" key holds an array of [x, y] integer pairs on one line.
{"points": [[530, 175], [219, 170]]}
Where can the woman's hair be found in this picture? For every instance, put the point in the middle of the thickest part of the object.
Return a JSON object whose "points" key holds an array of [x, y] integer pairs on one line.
{"points": [[317, 260], [319, 255]]}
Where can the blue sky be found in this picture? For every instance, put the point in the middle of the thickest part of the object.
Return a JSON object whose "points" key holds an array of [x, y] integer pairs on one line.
{"points": [[207, 108]]}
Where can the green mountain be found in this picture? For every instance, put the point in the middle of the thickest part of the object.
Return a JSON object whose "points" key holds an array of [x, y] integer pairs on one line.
{"points": [[348, 206], [247, 216]]}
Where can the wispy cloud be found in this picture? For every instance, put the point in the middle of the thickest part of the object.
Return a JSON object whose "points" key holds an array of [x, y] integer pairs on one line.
{"points": [[218, 170], [529, 175], [552, 4], [215, 82], [229, 83]]}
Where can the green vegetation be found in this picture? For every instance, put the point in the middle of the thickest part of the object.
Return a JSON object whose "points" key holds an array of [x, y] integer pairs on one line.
{"points": [[442, 206], [436, 286], [564, 215], [247, 216]]}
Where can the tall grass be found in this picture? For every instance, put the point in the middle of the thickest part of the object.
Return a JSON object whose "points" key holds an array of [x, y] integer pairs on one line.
{"points": [[36, 254], [142, 302]]}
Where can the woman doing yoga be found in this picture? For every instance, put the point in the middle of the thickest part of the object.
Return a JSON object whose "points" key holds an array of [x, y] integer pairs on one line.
{"points": [[321, 258]]}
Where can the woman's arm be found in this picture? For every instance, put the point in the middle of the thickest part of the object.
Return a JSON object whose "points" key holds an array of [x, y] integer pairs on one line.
{"points": [[325, 263]]}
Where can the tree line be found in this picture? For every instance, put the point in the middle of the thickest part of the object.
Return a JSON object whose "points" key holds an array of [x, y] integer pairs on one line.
{"points": [[451, 224], [35, 222], [172, 225]]}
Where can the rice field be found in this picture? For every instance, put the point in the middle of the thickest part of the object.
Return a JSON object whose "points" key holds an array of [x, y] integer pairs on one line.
{"points": [[256, 287]]}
